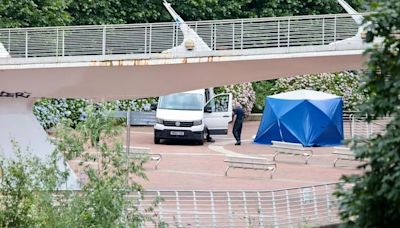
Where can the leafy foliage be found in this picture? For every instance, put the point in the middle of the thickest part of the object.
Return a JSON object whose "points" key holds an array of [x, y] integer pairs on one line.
{"points": [[96, 143], [34, 13], [345, 84], [51, 112], [28, 188], [242, 93], [374, 197], [262, 89]]}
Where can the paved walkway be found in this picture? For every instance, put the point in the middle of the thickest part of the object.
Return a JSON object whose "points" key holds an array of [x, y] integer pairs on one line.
{"points": [[186, 166]]}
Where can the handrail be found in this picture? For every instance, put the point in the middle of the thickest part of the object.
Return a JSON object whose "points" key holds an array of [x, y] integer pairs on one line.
{"points": [[311, 205], [153, 38]]}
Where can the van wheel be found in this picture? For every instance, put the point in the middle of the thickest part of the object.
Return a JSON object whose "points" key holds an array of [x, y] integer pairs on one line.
{"points": [[156, 140], [201, 141]]}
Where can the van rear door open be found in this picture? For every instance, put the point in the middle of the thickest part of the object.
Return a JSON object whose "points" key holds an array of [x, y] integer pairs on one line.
{"points": [[218, 113]]}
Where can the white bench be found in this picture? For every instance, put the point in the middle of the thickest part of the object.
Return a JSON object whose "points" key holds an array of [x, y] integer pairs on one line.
{"points": [[250, 163], [291, 148], [138, 153], [343, 153]]}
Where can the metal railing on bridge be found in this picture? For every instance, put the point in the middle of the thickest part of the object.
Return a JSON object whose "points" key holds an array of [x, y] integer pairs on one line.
{"points": [[147, 39], [296, 207]]}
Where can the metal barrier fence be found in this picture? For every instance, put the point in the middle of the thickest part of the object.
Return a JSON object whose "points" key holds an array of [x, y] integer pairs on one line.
{"points": [[296, 207], [359, 127], [142, 39], [138, 117]]}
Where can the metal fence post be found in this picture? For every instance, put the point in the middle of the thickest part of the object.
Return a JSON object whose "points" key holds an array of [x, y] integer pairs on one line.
{"points": [[334, 32], [241, 36], [230, 210], [63, 43], [323, 31], [145, 39], [233, 36], [57, 41], [173, 34], [301, 202], [288, 34], [128, 130], [353, 122], [103, 46], [279, 33], [315, 203], [274, 209], [328, 202], [350, 126], [128, 143], [178, 209], [160, 210], [196, 215], [288, 207], [260, 211], [26, 44], [215, 40], [246, 213], [212, 37], [177, 36], [9, 41], [214, 222], [151, 27], [139, 200]]}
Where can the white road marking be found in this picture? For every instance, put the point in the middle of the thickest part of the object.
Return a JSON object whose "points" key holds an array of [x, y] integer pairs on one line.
{"points": [[219, 147]]}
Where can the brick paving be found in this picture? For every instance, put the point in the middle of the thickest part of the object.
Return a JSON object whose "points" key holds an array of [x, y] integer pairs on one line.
{"points": [[186, 166]]}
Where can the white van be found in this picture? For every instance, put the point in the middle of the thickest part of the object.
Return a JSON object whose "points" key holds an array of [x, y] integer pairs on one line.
{"points": [[188, 115]]}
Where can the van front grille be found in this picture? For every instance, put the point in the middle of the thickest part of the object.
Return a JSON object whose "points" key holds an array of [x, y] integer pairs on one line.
{"points": [[175, 123]]}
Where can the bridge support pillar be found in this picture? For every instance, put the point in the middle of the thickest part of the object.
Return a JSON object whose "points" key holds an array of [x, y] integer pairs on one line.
{"points": [[18, 123]]}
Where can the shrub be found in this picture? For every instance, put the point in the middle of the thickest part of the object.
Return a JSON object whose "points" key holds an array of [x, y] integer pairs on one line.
{"points": [[345, 84], [29, 185], [50, 112]]}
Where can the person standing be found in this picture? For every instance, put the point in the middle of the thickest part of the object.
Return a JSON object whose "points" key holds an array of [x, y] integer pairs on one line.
{"points": [[237, 126]]}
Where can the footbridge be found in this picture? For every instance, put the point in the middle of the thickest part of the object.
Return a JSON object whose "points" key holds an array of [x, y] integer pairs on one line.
{"points": [[142, 60]]}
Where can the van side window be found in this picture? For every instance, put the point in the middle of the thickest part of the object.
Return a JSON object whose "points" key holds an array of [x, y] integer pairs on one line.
{"points": [[219, 103]]}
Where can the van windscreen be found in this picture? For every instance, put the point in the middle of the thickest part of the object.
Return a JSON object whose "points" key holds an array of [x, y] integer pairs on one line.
{"points": [[182, 101]]}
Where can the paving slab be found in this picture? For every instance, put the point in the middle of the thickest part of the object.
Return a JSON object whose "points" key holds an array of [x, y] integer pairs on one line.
{"points": [[187, 166]]}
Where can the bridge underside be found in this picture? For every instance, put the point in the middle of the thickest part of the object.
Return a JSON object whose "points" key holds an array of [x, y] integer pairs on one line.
{"points": [[119, 79]]}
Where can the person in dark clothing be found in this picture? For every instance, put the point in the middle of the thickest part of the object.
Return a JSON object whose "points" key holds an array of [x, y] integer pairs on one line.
{"points": [[237, 126]]}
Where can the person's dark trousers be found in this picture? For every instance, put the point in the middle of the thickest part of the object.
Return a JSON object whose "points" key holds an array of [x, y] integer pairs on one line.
{"points": [[237, 130]]}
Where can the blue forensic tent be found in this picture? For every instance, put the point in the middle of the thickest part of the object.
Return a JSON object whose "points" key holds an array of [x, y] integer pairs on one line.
{"points": [[308, 117]]}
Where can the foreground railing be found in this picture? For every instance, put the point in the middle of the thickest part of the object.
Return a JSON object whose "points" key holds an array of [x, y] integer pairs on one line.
{"points": [[295, 207], [237, 34]]}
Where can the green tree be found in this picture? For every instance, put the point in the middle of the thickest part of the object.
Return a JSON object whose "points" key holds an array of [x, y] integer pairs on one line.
{"points": [[33, 13], [133, 11], [262, 89], [373, 198]]}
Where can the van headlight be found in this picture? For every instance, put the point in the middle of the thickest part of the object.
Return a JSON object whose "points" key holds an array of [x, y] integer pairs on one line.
{"points": [[197, 122], [160, 121]]}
